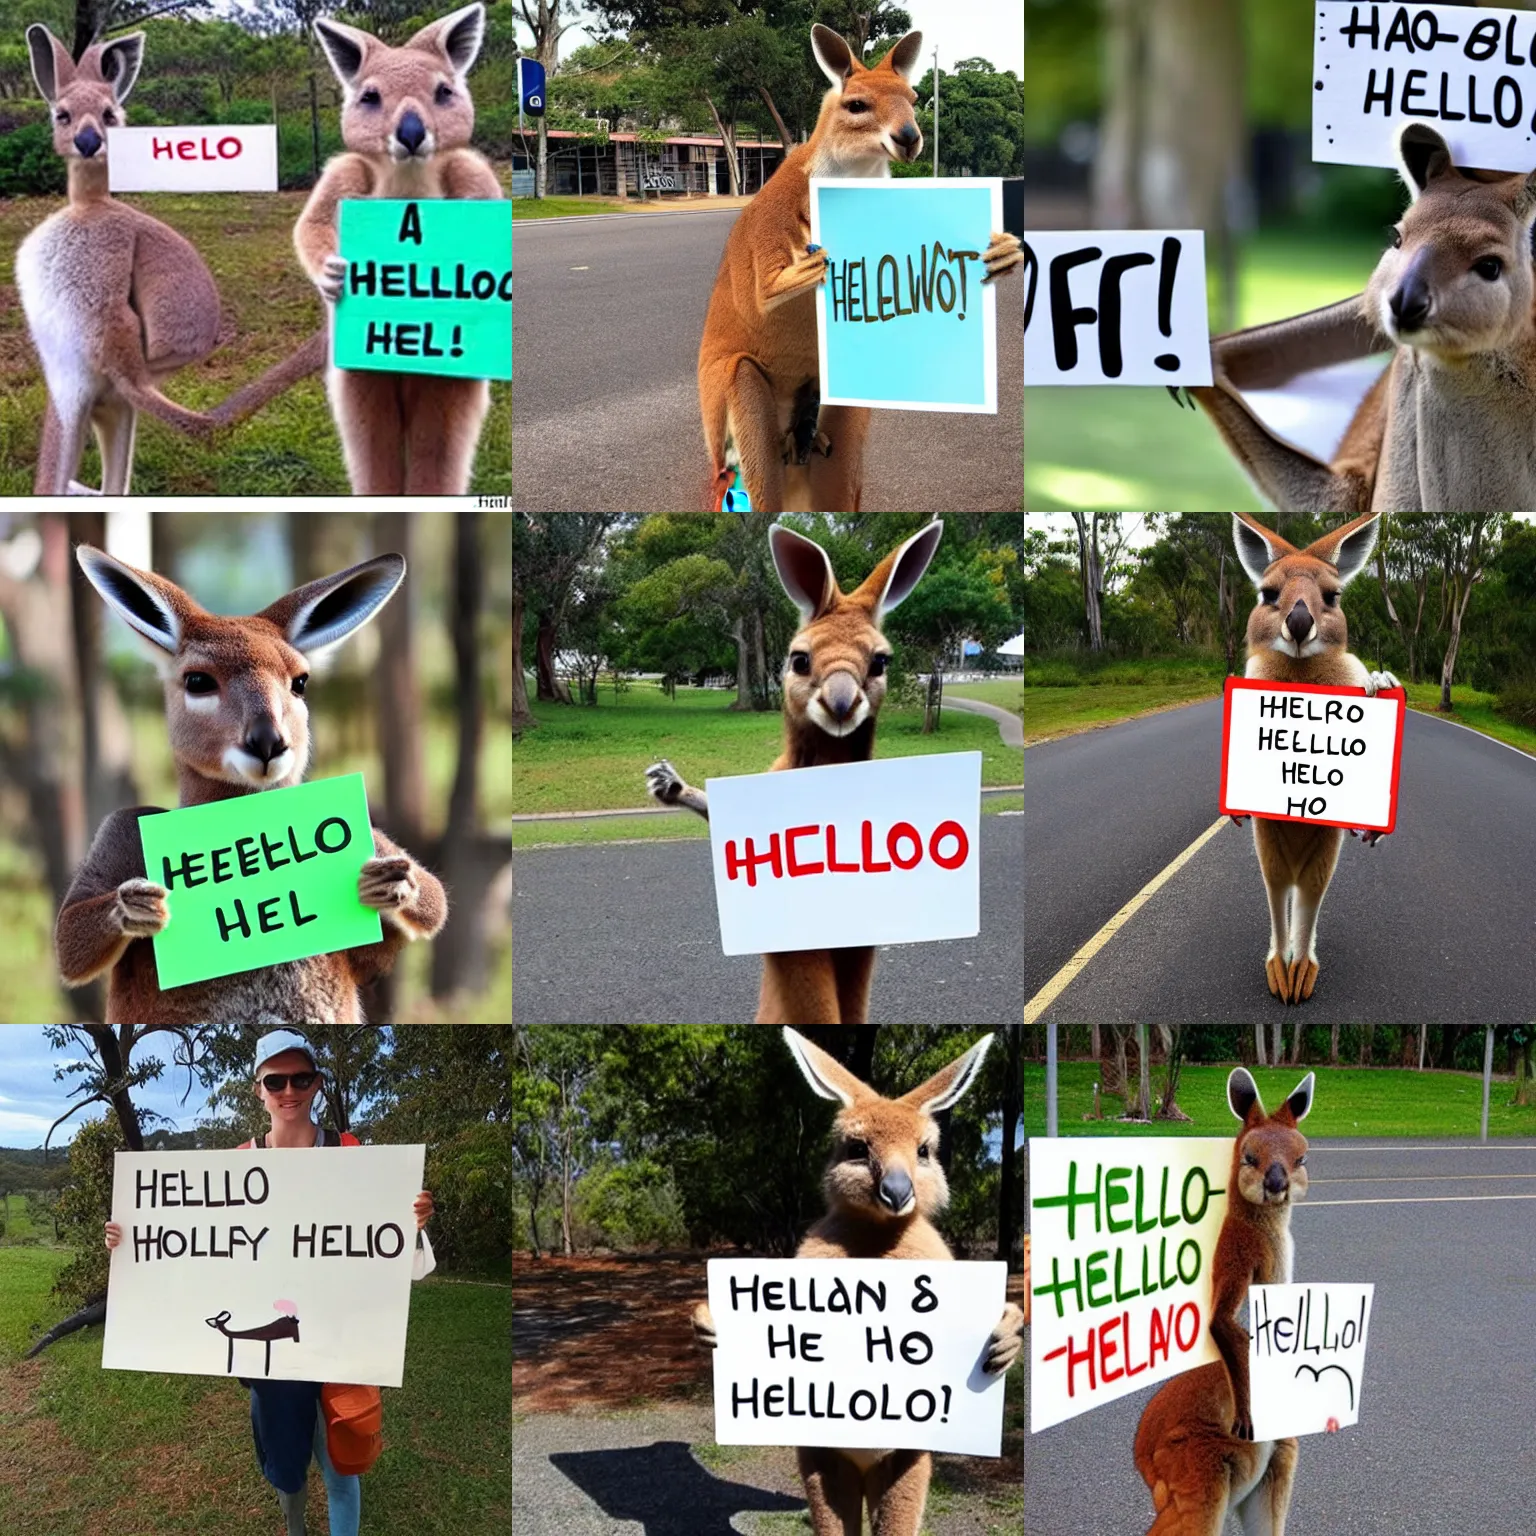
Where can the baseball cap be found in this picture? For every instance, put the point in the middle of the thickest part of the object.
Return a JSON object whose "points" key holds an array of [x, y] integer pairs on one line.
{"points": [[278, 1041]]}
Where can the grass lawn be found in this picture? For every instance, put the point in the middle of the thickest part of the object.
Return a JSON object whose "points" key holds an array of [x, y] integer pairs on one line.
{"points": [[1066, 694], [1471, 708], [587, 759], [566, 207], [84, 1450], [269, 309], [1133, 449], [1005, 692], [1350, 1101]]}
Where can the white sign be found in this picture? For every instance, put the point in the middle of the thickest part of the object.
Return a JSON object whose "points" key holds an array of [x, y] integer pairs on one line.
{"points": [[1468, 73], [1116, 307], [1123, 1231], [857, 1352], [1300, 752], [1306, 1357], [287, 1264], [238, 158], [885, 852]]}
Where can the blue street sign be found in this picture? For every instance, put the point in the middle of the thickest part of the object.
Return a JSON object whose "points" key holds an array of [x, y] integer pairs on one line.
{"points": [[530, 86]]}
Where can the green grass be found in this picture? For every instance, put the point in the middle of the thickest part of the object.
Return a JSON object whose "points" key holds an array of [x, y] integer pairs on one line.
{"points": [[1132, 449], [1005, 692], [269, 308], [103, 1460], [586, 759], [1474, 709], [1064, 694], [1350, 1101], [525, 208]]}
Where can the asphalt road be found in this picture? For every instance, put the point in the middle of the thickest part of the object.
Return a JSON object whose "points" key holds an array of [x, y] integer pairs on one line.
{"points": [[606, 319], [1443, 1446], [626, 933], [1437, 921]]}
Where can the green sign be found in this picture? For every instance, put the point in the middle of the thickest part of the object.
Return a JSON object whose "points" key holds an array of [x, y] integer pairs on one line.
{"points": [[261, 878], [428, 287]]}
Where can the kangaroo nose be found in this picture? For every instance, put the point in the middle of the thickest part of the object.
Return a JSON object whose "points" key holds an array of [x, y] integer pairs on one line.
{"points": [[908, 136], [411, 132], [1410, 303], [88, 141], [895, 1191], [1275, 1180], [840, 694], [264, 741], [1299, 621]]}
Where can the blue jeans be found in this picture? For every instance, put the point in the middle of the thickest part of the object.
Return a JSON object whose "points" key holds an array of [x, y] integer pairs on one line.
{"points": [[343, 1491]]}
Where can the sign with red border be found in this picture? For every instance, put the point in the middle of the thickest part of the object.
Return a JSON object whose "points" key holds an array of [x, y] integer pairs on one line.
{"points": [[1305, 752]]}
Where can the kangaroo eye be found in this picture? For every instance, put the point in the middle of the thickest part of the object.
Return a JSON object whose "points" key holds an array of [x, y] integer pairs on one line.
{"points": [[61, 117], [877, 665], [370, 97], [1270, 595], [109, 116], [1490, 268], [855, 1151], [1301, 1161], [924, 1153], [444, 95], [1330, 599], [200, 683], [1251, 1159], [300, 683], [800, 663], [1397, 239], [856, 106]]}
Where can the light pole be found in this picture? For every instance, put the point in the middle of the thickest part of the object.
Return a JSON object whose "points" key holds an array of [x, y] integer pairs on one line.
{"points": [[935, 109]]}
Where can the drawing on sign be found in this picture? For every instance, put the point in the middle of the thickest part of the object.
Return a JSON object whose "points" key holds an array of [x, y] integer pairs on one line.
{"points": [[1115, 307], [1307, 1356], [286, 1327]]}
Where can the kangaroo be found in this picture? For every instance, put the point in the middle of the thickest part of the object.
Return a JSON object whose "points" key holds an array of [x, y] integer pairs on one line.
{"points": [[286, 1327], [406, 121], [834, 683], [1194, 1446], [1448, 425], [758, 372], [234, 706], [115, 300], [884, 1185], [1297, 634]]}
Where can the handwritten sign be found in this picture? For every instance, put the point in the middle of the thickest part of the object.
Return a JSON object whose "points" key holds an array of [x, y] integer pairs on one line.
{"points": [[291, 1265], [240, 157], [428, 287], [1116, 307], [903, 320], [1468, 72], [857, 1352], [260, 879], [1123, 1233], [1301, 752], [1306, 1357], [886, 852]]}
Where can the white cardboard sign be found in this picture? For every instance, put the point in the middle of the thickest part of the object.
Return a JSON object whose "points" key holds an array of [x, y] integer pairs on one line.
{"points": [[884, 852], [1115, 307], [289, 1264], [857, 1352], [236, 158], [1301, 752], [1306, 1357], [1123, 1230], [1467, 73]]}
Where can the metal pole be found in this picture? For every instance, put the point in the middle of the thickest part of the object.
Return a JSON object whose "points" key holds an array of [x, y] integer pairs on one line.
{"points": [[1487, 1074], [1050, 1080], [935, 109]]}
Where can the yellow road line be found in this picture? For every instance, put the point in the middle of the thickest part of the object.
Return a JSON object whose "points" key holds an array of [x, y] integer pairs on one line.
{"points": [[1068, 973]]}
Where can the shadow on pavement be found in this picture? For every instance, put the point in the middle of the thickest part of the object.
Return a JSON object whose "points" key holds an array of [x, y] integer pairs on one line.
{"points": [[662, 1486]]}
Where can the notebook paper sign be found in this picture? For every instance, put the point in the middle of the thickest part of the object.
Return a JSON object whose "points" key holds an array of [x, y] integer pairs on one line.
{"points": [[887, 852], [260, 879], [428, 287], [1306, 1357], [1470, 74], [857, 1352], [235, 158], [903, 320], [1116, 307], [289, 1264], [1302, 752], [1123, 1231]]}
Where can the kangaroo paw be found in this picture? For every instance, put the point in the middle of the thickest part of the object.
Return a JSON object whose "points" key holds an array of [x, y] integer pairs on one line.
{"points": [[664, 782], [1302, 977], [704, 1326], [1376, 681], [1277, 974], [1006, 1343], [387, 884], [1004, 254]]}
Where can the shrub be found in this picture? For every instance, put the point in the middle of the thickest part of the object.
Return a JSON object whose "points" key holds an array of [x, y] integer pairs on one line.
{"points": [[28, 165], [85, 1205], [471, 1182], [1517, 701]]}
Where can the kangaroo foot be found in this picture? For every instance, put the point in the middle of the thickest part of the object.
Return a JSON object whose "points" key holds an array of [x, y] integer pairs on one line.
{"points": [[1277, 974], [1301, 977]]}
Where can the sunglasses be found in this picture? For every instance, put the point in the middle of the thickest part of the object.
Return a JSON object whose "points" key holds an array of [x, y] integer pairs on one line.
{"points": [[277, 1081]]}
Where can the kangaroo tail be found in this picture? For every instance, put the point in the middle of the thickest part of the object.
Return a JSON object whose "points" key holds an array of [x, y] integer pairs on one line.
{"points": [[246, 401]]}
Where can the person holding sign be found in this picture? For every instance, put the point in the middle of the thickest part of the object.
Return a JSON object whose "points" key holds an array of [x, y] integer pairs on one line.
{"points": [[294, 1420]]}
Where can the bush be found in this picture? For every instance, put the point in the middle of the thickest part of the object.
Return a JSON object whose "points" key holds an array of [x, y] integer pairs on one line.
{"points": [[633, 1205], [28, 165], [84, 1206], [496, 129], [1517, 701], [471, 1182]]}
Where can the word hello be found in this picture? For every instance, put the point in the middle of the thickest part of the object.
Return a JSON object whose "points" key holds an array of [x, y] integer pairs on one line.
{"points": [[1090, 1273], [1170, 1328], [177, 1189], [904, 847], [1110, 1191], [778, 1402], [1293, 1335], [926, 285], [229, 148], [410, 280], [244, 849], [785, 1296]]}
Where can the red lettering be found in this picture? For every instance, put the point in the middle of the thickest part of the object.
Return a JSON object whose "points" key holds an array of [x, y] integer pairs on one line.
{"points": [[159, 148], [949, 829], [904, 829], [1108, 1347], [870, 867], [184, 150], [1193, 1312], [734, 863], [832, 865], [1159, 1338], [229, 149], [795, 866], [1076, 1358]]}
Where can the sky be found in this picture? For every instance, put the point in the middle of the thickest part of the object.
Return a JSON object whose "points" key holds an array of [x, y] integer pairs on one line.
{"points": [[962, 29]]}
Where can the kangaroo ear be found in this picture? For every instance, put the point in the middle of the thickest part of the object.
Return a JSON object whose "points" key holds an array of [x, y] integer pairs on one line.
{"points": [[804, 570], [149, 603], [951, 1083], [458, 36], [833, 54], [1299, 1104], [324, 613], [1243, 1094], [900, 571], [119, 63], [52, 66], [344, 46], [1422, 155], [826, 1075], [1348, 548], [1257, 547], [903, 58]]}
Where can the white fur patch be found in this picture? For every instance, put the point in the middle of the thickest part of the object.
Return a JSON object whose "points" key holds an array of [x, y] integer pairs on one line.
{"points": [[201, 703]]}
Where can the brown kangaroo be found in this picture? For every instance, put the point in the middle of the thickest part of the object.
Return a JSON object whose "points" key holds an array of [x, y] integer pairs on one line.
{"points": [[834, 684], [1194, 1446], [286, 1327]]}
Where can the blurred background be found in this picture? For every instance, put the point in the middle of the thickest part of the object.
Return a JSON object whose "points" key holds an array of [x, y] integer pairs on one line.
{"points": [[418, 701], [1160, 114]]}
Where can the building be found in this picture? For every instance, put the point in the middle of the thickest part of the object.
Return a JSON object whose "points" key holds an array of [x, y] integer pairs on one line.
{"points": [[681, 164]]}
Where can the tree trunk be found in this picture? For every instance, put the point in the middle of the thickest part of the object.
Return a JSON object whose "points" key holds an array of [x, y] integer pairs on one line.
{"points": [[550, 688], [760, 656], [1260, 1059], [314, 123], [1333, 1045], [778, 122], [1277, 1043], [1092, 577], [728, 139], [1448, 666], [522, 716], [743, 664], [397, 694]]}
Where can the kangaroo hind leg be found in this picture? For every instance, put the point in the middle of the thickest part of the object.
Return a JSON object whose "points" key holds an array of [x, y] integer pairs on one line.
{"points": [[799, 987], [1264, 1511], [897, 1490], [834, 1490], [752, 422]]}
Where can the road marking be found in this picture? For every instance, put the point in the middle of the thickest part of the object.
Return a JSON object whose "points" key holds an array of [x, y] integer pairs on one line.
{"points": [[1425, 1178], [581, 269], [1069, 972], [1476, 1146], [1441, 720], [1419, 1200]]}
